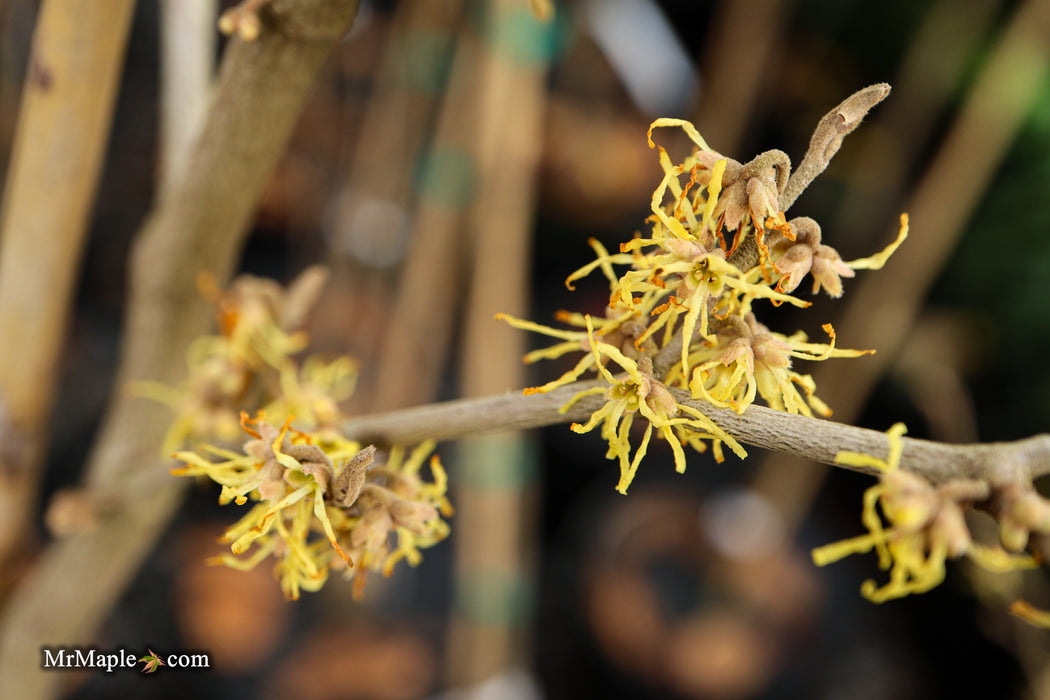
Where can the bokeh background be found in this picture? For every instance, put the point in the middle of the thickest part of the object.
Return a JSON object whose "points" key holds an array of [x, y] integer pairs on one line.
{"points": [[449, 166]]}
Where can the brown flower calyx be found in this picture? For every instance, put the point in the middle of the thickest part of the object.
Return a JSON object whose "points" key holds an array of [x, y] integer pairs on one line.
{"points": [[654, 392], [272, 486], [384, 508], [753, 341], [623, 335], [312, 461], [807, 255], [752, 188], [749, 201]]}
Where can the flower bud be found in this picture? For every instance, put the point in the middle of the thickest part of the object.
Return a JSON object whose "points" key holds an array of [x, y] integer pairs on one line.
{"points": [[1013, 536], [1032, 511], [949, 526], [909, 500], [412, 515]]}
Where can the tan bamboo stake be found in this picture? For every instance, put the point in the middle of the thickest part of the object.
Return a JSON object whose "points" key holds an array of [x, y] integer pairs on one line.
{"points": [[496, 505], [60, 141], [416, 344], [399, 114], [378, 204]]}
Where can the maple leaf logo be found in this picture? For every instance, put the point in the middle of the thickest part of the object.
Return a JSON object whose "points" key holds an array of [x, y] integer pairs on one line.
{"points": [[152, 662]]}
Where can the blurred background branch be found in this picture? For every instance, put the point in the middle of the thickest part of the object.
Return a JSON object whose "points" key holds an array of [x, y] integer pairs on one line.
{"points": [[198, 225], [187, 44]]}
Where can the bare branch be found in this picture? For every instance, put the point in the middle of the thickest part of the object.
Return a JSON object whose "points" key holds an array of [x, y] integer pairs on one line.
{"points": [[828, 136], [811, 438]]}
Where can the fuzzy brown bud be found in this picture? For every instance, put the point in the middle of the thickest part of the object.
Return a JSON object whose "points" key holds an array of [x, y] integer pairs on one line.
{"points": [[347, 484]]}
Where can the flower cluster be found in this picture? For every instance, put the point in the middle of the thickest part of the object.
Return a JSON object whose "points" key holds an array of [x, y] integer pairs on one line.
{"points": [[321, 502], [249, 362], [924, 526], [639, 392], [682, 314]]}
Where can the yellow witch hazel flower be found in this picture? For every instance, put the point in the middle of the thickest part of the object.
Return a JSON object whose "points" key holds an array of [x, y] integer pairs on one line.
{"points": [[925, 527], [321, 502], [289, 477], [313, 391], [255, 319], [395, 515], [683, 313], [255, 316], [640, 393], [206, 402], [322, 509], [761, 362], [636, 393]]}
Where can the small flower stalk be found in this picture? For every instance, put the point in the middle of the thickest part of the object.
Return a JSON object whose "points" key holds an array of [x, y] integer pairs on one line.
{"points": [[684, 312]]}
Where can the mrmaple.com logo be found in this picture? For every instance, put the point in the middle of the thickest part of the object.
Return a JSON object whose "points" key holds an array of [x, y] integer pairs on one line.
{"points": [[63, 658]]}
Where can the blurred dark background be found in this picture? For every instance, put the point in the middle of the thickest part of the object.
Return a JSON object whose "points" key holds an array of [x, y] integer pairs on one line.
{"points": [[696, 585]]}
